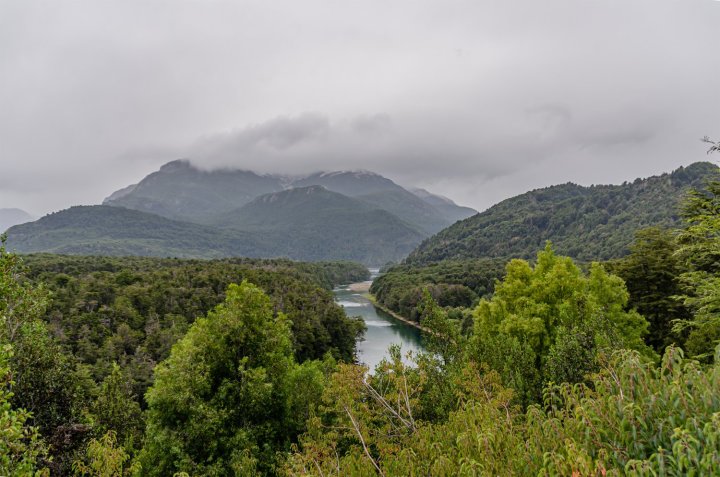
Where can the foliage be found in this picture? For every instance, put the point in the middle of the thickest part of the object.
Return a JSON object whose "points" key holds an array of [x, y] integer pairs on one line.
{"points": [[20, 446], [451, 283], [651, 273], [104, 458], [116, 410], [547, 323], [47, 381], [700, 251], [586, 223], [130, 311], [631, 419], [220, 403]]}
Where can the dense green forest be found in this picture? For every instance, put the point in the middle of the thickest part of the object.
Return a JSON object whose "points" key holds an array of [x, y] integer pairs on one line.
{"points": [[451, 283], [86, 330], [138, 366], [585, 223]]}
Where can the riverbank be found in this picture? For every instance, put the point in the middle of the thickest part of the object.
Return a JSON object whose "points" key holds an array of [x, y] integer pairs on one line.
{"points": [[384, 309], [360, 287]]}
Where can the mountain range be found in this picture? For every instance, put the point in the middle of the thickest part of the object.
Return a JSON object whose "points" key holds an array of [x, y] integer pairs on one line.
{"points": [[181, 191], [183, 211]]}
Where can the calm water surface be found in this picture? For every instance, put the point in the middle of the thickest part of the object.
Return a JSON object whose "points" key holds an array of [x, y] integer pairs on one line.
{"points": [[382, 329]]}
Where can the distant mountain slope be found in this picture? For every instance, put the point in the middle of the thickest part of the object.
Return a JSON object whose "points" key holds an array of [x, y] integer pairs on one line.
{"points": [[587, 223], [447, 207], [181, 191], [10, 217], [103, 230], [413, 210], [349, 183], [381, 193], [313, 222], [322, 226]]}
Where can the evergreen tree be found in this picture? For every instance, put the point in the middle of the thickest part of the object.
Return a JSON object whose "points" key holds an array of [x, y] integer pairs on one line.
{"points": [[652, 273], [700, 250]]}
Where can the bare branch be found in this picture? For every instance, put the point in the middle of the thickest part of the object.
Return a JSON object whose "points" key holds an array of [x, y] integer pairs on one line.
{"points": [[362, 441]]}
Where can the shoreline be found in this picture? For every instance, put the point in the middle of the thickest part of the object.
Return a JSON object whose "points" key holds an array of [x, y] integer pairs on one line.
{"points": [[382, 308], [362, 287]]}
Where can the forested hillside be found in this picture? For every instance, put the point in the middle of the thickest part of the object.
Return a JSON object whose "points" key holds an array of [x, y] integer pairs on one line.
{"points": [[104, 230], [313, 223], [586, 223], [325, 226], [451, 283]]}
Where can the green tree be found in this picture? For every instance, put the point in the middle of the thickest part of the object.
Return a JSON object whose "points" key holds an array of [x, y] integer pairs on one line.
{"points": [[47, 380], [20, 445], [652, 273], [549, 322], [117, 410], [700, 250], [105, 458], [225, 400]]}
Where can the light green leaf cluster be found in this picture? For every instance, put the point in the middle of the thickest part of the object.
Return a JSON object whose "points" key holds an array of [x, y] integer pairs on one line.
{"points": [[20, 444], [226, 400], [549, 322]]}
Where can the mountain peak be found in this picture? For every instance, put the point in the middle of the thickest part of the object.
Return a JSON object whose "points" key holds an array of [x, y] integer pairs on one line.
{"points": [[177, 165]]}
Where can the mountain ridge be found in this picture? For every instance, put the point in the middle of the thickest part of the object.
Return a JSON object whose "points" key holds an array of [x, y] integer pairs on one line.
{"points": [[181, 191], [595, 222]]}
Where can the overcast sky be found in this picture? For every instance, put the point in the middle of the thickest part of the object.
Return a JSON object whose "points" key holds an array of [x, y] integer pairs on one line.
{"points": [[479, 100]]}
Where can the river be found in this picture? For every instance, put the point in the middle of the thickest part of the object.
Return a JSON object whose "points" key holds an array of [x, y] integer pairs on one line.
{"points": [[382, 329]]}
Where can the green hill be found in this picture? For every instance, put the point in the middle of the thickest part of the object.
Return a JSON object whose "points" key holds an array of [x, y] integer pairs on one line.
{"points": [[313, 223], [310, 224], [104, 230], [586, 223]]}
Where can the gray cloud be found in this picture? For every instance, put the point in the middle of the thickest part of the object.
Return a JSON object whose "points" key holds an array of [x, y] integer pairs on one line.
{"points": [[477, 99]]}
